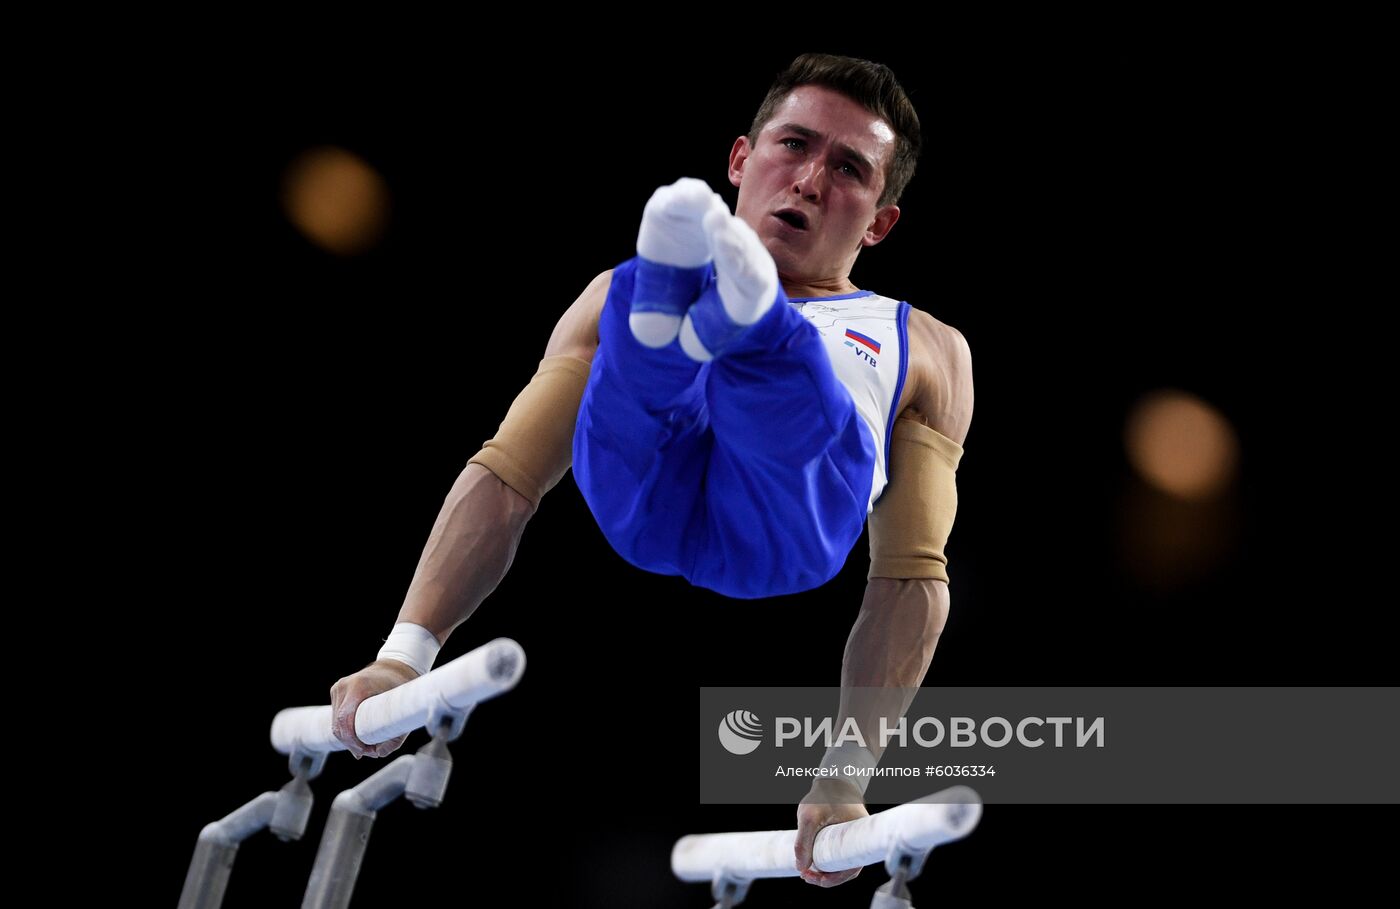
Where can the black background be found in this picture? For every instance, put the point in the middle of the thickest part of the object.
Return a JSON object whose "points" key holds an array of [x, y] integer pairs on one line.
{"points": [[1098, 221]]}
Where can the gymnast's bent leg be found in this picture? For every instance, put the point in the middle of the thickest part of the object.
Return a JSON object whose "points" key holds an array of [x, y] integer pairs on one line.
{"points": [[642, 438], [770, 498], [789, 474]]}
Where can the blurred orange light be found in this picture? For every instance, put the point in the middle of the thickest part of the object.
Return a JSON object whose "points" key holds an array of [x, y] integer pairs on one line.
{"points": [[1181, 445], [336, 199]]}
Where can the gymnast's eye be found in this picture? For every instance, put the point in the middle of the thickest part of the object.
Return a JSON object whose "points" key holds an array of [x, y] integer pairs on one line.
{"points": [[799, 142]]}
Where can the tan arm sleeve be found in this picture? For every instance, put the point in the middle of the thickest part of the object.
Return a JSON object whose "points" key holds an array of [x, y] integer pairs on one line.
{"points": [[914, 514], [535, 443]]}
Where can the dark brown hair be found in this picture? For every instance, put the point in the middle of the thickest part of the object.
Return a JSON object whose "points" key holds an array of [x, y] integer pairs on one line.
{"points": [[874, 87]]}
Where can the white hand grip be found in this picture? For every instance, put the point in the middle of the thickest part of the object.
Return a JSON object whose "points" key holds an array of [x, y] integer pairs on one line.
{"points": [[932, 820], [487, 671]]}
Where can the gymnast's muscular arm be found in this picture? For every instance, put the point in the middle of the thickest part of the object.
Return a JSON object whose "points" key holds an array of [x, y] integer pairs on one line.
{"points": [[892, 642], [473, 540]]}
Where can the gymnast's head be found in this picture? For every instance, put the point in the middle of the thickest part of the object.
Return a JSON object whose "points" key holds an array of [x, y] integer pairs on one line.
{"points": [[822, 168]]}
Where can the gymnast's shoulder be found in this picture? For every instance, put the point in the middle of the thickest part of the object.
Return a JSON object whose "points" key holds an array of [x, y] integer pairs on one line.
{"points": [[938, 386], [576, 332]]}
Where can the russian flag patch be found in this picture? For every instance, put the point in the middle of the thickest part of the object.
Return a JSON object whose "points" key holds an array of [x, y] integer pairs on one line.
{"points": [[868, 342]]}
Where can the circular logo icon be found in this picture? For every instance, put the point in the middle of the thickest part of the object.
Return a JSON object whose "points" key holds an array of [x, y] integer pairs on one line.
{"points": [[740, 732]]}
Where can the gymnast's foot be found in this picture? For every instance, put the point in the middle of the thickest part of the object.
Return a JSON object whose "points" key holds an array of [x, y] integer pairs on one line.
{"points": [[745, 289], [673, 258]]}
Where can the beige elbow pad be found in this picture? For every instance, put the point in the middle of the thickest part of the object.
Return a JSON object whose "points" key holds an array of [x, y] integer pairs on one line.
{"points": [[914, 514], [535, 444]]}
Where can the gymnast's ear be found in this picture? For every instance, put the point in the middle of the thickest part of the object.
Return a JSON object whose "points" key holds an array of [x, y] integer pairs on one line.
{"points": [[737, 156], [880, 225]]}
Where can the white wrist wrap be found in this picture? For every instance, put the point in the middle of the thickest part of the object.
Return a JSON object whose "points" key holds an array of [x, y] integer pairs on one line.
{"points": [[411, 644], [851, 762]]}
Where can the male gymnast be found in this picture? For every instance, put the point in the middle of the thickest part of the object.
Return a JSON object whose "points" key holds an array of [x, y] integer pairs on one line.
{"points": [[734, 408]]}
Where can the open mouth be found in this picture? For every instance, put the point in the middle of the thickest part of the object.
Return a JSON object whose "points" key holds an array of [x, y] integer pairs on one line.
{"points": [[792, 218]]}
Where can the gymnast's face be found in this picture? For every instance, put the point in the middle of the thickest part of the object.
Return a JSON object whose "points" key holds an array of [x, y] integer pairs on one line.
{"points": [[822, 156]]}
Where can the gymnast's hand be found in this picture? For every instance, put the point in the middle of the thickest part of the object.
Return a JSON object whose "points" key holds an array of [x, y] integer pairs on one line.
{"points": [[830, 801], [347, 693]]}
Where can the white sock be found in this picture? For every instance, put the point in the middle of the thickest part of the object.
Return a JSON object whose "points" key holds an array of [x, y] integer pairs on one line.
{"points": [[746, 279], [744, 269], [672, 235]]}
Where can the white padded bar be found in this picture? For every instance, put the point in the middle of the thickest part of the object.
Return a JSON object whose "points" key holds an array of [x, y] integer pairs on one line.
{"points": [[487, 671], [931, 821]]}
